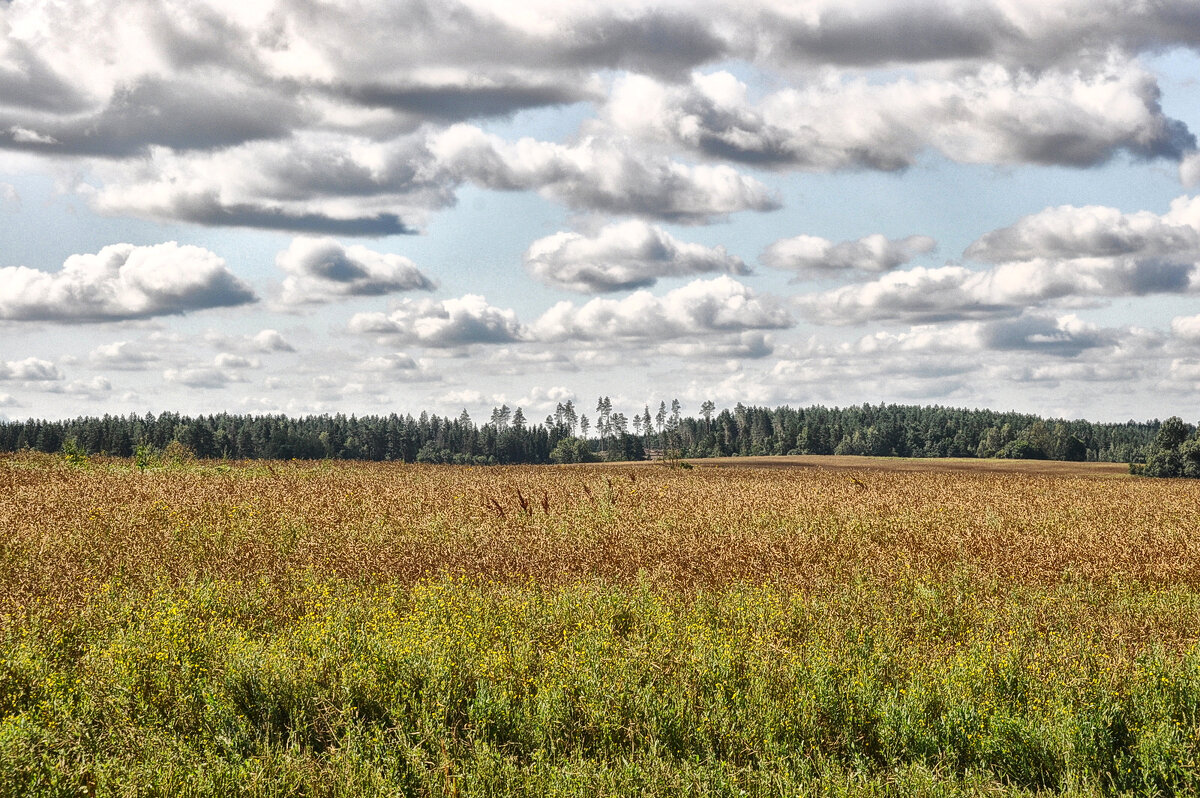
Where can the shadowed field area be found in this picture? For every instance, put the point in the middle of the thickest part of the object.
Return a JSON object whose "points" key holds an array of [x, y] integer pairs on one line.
{"points": [[265, 628]]}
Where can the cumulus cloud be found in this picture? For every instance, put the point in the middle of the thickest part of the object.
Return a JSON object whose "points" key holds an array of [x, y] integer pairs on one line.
{"points": [[301, 117], [92, 388], [443, 323], [122, 355], [1064, 255], [226, 360], [949, 293], [1065, 336], [203, 76], [601, 175], [811, 256], [1094, 231], [702, 307], [181, 113], [919, 295], [122, 281], [318, 183], [31, 369], [622, 256], [750, 345], [397, 361], [1186, 328], [336, 184], [1034, 34], [206, 377], [268, 341], [994, 115], [322, 269]]}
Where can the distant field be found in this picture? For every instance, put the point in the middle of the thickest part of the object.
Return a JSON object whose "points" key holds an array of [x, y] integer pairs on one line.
{"points": [[338, 628], [924, 464]]}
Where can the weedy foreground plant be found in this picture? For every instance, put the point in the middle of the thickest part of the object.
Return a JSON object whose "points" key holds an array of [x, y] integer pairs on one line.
{"points": [[355, 629]]}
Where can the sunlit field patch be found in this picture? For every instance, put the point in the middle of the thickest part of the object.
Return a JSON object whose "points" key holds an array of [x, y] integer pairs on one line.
{"points": [[352, 629]]}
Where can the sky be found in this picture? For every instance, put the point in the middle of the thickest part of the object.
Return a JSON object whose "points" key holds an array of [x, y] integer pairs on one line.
{"points": [[370, 206]]}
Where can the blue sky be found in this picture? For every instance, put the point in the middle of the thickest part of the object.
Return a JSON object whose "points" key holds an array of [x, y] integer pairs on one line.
{"points": [[371, 207]]}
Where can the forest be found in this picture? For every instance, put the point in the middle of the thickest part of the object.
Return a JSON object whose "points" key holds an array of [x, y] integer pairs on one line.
{"points": [[568, 435]]}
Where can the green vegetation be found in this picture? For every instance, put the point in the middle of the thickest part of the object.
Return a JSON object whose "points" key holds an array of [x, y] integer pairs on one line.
{"points": [[189, 627], [1174, 453], [454, 687], [507, 438]]}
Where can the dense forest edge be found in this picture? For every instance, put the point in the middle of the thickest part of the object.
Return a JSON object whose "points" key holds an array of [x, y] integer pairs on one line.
{"points": [[1154, 448]]}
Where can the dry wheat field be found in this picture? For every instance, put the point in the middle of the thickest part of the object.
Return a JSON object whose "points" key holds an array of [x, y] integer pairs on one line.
{"points": [[330, 628]]}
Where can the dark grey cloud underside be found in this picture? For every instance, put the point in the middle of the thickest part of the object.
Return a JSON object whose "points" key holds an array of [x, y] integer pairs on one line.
{"points": [[914, 33], [896, 35], [1041, 334], [225, 292], [180, 115], [1015, 243], [456, 103], [209, 211], [27, 82]]}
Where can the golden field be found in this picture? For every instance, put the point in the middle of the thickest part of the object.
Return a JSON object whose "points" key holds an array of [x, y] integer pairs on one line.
{"points": [[341, 628]]}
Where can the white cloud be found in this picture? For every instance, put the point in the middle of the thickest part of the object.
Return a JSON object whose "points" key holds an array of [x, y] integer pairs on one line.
{"points": [[993, 115], [31, 369], [466, 396], [122, 355], [1186, 328], [748, 345], [268, 341], [811, 256], [604, 175], [322, 269], [702, 307], [951, 293], [630, 254], [302, 117], [443, 323], [1062, 256], [1095, 231], [225, 360], [122, 281], [337, 184], [1189, 170], [314, 182], [206, 377], [92, 388], [541, 400], [397, 361]]}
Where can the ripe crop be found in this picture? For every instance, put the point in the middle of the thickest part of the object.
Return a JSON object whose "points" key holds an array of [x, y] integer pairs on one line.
{"points": [[251, 628]]}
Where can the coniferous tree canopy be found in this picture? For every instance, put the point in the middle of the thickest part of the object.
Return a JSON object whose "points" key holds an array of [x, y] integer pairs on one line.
{"points": [[567, 436]]}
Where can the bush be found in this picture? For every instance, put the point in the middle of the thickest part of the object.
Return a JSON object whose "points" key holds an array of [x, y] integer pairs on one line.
{"points": [[1021, 450], [572, 450]]}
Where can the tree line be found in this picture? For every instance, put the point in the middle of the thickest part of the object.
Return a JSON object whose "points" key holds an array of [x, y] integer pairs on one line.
{"points": [[1175, 451], [569, 435]]}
